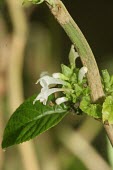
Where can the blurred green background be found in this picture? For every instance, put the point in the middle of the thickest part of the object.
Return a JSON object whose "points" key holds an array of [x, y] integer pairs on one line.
{"points": [[31, 41]]}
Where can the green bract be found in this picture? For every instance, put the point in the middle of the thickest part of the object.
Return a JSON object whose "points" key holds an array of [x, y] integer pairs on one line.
{"points": [[66, 71], [107, 82]]}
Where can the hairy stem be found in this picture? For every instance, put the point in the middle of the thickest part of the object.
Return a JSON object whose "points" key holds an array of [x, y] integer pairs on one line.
{"points": [[81, 45], [59, 11]]}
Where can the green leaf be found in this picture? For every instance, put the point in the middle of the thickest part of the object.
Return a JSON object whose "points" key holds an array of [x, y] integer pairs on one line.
{"points": [[78, 90], [108, 110], [66, 71], [94, 110], [74, 78], [30, 120], [106, 80]]}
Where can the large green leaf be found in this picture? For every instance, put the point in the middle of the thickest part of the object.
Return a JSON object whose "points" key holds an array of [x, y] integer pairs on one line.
{"points": [[31, 120]]}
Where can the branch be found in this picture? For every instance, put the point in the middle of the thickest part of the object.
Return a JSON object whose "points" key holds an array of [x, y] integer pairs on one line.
{"points": [[81, 45], [59, 11]]}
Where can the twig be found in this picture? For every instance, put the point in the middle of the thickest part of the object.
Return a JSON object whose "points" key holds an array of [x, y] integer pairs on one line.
{"points": [[68, 24], [109, 130]]}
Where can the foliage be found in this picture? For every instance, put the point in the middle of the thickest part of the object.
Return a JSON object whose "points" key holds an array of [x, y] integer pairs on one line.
{"points": [[108, 110], [38, 114], [31, 120]]}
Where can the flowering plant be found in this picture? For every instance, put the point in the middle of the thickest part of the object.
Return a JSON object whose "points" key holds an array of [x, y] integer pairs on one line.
{"points": [[60, 94], [43, 111], [71, 82]]}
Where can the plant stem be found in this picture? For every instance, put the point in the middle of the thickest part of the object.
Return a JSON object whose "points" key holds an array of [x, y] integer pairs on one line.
{"points": [[82, 47], [59, 11], [110, 153]]}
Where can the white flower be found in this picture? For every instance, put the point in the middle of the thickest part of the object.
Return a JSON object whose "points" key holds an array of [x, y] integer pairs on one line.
{"points": [[45, 93], [45, 81], [82, 73], [61, 100], [49, 81]]}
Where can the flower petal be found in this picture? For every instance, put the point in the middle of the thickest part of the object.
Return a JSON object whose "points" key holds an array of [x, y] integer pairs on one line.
{"points": [[60, 76], [61, 100], [49, 80], [45, 93], [82, 73]]}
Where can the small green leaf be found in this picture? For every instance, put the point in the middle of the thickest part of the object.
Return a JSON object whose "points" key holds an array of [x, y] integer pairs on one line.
{"points": [[30, 120], [66, 71], [106, 80], [74, 78], [108, 110], [78, 90], [94, 110]]}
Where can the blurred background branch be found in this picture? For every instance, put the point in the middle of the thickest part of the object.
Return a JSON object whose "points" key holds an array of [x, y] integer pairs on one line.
{"points": [[15, 70], [82, 149], [3, 67], [86, 128]]}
